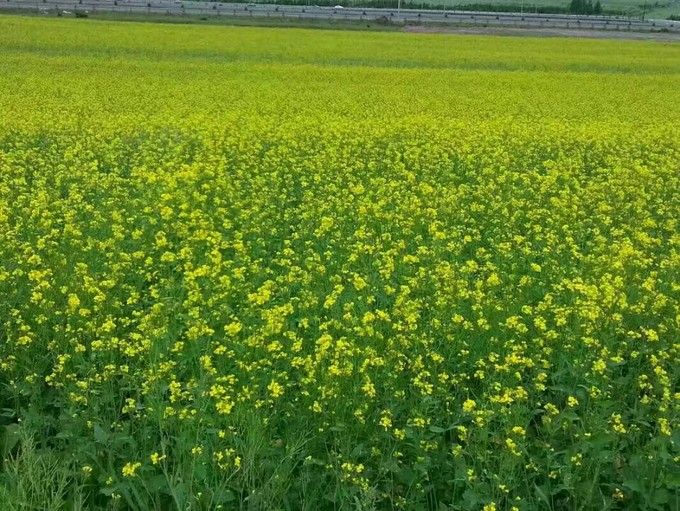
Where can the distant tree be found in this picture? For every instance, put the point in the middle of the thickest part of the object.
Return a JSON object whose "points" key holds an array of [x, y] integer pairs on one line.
{"points": [[584, 7], [598, 7]]}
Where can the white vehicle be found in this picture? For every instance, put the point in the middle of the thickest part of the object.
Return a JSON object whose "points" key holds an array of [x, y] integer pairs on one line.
{"points": [[338, 7]]}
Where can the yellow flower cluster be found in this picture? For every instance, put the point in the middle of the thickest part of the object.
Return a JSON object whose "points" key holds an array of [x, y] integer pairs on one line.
{"points": [[422, 273]]}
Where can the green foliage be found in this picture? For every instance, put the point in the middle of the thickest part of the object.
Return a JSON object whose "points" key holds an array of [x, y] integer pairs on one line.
{"points": [[585, 7], [34, 478]]}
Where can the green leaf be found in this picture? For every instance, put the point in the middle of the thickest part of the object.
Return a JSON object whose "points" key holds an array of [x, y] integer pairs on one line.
{"points": [[471, 498], [108, 491], [9, 438], [100, 436], [541, 494], [406, 476], [156, 483], [633, 485], [7, 416], [224, 496], [660, 498]]}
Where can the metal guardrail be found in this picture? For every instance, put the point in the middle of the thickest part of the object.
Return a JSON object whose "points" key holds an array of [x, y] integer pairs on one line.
{"points": [[403, 16]]}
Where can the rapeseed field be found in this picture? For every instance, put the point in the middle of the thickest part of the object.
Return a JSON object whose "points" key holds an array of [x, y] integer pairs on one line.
{"points": [[263, 269]]}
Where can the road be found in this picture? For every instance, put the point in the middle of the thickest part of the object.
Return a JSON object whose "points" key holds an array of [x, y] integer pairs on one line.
{"points": [[398, 16]]}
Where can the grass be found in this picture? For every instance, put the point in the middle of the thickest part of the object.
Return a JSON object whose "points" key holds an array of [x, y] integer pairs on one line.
{"points": [[251, 268], [34, 478], [255, 21], [197, 19]]}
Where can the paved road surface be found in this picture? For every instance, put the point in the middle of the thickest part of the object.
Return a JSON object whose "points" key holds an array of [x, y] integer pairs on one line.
{"points": [[401, 16]]}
